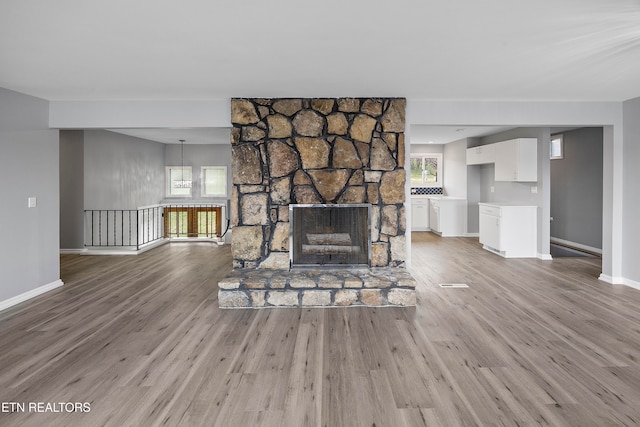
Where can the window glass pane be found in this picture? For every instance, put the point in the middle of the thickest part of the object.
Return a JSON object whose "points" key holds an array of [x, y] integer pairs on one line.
{"points": [[207, 223], [178, 224], [556, 147], [430, 169], [416, 170], [214, 181], [425, 169], [179, 181]]}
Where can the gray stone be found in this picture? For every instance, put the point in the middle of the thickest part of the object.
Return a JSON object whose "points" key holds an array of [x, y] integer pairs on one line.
{"points": [[235, 135], [337, 124], [314, 152], [375, 223], [254, 209], [392, 187], [316, 298], [329, 183], [300, 282], [345, 297], [279, 126], [377, 282], [229, 283], [245, 164], [278, 282], [281, 191], [252, 133], [402, 297], [398, 248], [323, 105], [345, 155], [402, 220], [372, 107], [288, 107], [246, 242], [379, 255], [283, 159], [231, 299], [389, 224], [371, 297], [235, 201], [305, 194], [349, 105], [372, 176], [280, 239], [362, 128], [393, 119], [243, 112], [329, 281], [352, 195], [308, 123], [276, 260], [381, 158], [283, 298]]}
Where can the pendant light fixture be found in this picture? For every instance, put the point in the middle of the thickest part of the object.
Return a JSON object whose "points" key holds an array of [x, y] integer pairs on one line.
{"points": [[182, 183]]}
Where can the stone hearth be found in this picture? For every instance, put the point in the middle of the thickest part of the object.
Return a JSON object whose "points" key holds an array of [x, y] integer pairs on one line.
{"points": [[315, 151]]}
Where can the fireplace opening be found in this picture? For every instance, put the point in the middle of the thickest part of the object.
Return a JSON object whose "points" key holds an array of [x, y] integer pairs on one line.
{"points": [[330, 235]]}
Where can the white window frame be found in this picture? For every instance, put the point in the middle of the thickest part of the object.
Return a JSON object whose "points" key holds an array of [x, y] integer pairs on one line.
{"points": [[423, 156], [557, 143], [203, 181], [169, 185]]}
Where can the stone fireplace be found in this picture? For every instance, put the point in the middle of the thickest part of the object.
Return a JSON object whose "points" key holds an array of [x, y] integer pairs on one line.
{"points": [[297, 165]]}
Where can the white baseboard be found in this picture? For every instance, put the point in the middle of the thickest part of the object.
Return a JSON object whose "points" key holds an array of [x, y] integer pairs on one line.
{"points": [[113, 250], [620, 281], [545, 257], [631, 283], [575, 245], [72, 251], [30, 294], [471, 234]]}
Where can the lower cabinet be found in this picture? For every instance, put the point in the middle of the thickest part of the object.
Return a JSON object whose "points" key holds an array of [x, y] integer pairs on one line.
{"points": [[509, 230], [448, 216], [419, 214]]}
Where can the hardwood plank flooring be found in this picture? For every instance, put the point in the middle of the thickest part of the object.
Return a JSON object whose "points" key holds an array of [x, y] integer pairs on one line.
{"points": [[141, 338]]}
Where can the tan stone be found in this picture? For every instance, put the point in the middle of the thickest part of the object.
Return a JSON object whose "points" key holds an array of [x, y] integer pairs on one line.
{"points": [[278, 282], [375, 223], [401, 151], [379, 255], [243, 112], [349, 105], [305, 194], [389, 224], [281, 191], [244, 189], [372, 107], [246, 242], [252, 133], [352, 195], [392, 187], [353, 282], [402, 220], [263, 111], [301, 282], [257, 298], [377, 282], [371, 297], [279, 126], [337, 124], [254, 209], [234, 206], [398, 248], [276, 261], [362, 128], [255, 283], [283, 213], [314, 152], [301, 178], [373, 195], [357, 178], [372, 176], [235, 135], [282, 298], [381, 158], [246, 164], [345, 155], [391, 140], [323, 105], [280, 238], [346, 297], [282, 159], [329, 183], [393, 119], [329, 281], [231, 299], [308, 123], [229, 283], [403, 297], [316, 298], [364, 150], [288, 107]]}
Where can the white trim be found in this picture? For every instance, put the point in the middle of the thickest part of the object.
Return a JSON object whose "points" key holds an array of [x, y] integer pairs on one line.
{"points": [[575, 245], [471, 235], [545, 257], [30, 294], [112, 250], [72, 251], [631, 283], [620, 281]]}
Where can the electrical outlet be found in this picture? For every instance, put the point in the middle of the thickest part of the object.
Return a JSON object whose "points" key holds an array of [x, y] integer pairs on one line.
{"points": [[32, 202]]}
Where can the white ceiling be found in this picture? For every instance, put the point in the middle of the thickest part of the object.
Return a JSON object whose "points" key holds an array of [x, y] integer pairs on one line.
{"points": [[422, 49], [174, 135]]}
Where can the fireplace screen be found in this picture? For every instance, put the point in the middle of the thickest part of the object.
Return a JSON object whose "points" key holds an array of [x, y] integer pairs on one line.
{"points": [[330, 235]]}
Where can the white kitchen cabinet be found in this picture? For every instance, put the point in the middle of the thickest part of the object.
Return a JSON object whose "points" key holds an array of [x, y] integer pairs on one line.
{"points": [[419, 214], [509, 230], [516, 160], [481, 155], [447, 216]]}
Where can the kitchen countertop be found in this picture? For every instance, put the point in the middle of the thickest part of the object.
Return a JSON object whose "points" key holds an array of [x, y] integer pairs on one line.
{"points": [[499, 204], [435, 196]]}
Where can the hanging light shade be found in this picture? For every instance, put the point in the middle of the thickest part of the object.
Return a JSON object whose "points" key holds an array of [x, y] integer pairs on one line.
{"points": [[182, 183]]}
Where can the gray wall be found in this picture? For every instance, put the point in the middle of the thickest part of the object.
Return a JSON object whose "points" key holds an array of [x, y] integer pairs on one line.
{"points": [[455, 168], [71, 189], [576, 188], [631, 194], [29, 259], [121, 172]]}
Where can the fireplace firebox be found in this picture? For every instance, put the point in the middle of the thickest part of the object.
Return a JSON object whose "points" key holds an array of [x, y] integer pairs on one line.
{"points": [[330, 235]]}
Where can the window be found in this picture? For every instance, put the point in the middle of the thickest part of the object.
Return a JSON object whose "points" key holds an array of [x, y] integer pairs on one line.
{"points": [[192, 221], [178, 181], [426, 170], [556, 148], [214, 181]]}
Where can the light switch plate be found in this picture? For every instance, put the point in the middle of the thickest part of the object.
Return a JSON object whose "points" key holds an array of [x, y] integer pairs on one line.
{"points": [[493, 189], [32, 202], [534, 189]]}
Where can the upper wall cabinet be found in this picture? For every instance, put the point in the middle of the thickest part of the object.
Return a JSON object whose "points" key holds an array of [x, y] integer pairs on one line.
{"points": [[517, 160], [481, 155]]}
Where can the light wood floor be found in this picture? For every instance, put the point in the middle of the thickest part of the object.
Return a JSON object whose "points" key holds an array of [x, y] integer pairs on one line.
{"points": [[141, 338]]}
